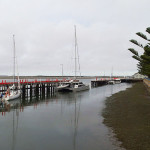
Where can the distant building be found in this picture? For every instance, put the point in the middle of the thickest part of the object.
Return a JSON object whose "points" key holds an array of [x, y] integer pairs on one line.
{"points": [[139, 76]]}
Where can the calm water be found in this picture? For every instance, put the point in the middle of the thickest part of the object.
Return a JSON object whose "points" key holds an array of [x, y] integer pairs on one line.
{"points": [[67, 121]]}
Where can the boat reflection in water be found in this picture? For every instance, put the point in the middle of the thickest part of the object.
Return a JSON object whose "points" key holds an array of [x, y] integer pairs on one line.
{"points": [[77, 105], [69, 121]]}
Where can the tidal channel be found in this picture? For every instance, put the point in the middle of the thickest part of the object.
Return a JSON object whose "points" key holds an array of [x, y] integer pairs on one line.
{"points": [[65, 121]]}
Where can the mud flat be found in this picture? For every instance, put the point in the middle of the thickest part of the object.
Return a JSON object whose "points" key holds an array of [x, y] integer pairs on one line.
{"points": [[127, 113]]}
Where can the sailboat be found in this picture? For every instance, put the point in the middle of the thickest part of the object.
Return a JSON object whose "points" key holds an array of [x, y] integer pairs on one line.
{"points": [[114, 80], [76, 85], [62, 85], [13, 91]]}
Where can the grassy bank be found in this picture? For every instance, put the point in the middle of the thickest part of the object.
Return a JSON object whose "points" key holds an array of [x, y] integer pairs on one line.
{"points": [[128, 114]]}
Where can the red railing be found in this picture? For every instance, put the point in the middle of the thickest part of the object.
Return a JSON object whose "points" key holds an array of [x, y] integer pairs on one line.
{"points": [[25, 81]]}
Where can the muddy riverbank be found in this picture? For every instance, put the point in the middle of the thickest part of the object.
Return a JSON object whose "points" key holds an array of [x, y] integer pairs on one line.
{"points": [[127, 113]]}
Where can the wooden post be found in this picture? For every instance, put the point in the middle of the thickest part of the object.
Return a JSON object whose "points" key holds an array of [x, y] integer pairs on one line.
{"points": [[43, 90], [27, 90], [30, 91], [50, 87], [37, 91], [48, 90], [23, 91], [40, 90]]}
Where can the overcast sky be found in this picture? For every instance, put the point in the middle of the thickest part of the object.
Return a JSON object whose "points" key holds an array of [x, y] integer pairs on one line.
{"points": [[44, 35]]}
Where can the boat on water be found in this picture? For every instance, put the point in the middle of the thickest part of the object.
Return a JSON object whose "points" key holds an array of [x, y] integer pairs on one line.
{"points": [[74, 85], [12, 94], [117, 81], [13, 91], [111, 82], [114, 81], [77, 86], [63, 86]]}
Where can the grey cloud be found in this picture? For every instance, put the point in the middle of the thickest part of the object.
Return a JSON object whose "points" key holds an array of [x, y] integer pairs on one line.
{"points": [[44, 32]]}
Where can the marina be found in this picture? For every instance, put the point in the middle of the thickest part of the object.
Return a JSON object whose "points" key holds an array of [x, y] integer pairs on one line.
{"points": [[72, 75], [73, 119], [46, 87]]}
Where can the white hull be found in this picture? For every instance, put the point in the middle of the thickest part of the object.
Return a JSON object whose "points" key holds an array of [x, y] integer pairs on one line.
{"points": [[111, 82], [62, 87], [77, 89], [114, 82], [13, 95], [117, 81]]}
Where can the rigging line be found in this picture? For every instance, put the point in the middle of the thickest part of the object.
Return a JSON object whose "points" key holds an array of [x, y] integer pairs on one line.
{"points": [[16, 64], [78, 59], [14, 55], [77, 52], [17, 72]]}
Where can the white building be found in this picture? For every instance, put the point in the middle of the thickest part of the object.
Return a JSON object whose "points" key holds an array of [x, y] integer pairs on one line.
{"points": [[139, 76]]}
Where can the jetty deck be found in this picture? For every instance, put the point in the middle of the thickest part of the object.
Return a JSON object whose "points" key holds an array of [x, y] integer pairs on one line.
{"points": [[32, 88], [101, 82]]}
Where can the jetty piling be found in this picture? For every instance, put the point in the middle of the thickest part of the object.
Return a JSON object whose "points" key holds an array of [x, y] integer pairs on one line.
{"points": [[33, 88]]}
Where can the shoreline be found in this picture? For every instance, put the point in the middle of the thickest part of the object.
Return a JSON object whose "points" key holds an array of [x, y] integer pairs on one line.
{"points": [[127, 113]]}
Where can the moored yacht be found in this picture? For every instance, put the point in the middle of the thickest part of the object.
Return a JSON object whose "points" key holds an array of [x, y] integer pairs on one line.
{"points": [[117, 81], [73, 85], [111, 82], [13, 91], [114, 81], [77, 86], [63, 86]]}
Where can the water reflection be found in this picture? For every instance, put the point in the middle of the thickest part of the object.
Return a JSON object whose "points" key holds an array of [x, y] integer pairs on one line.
{"points": [[69, 121], [15, 127], [76, 120]]}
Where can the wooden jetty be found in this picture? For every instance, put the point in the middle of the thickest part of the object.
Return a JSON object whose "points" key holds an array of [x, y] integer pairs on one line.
{"points": [[32, 88], [130, 80], [104, 81]]}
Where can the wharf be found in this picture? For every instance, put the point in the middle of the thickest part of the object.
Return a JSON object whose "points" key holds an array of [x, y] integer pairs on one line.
{"points": [[131, 80], [102, 82], [32, 88]]}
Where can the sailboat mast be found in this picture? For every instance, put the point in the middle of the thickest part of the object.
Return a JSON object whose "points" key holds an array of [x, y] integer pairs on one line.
{"points": [[14, 56], [75, 52]]}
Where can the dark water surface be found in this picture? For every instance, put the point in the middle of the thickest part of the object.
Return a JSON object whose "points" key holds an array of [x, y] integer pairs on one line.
{"points": [[67, 121]]}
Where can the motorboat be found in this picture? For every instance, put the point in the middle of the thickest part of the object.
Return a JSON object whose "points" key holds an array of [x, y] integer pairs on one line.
{"points": [[77, 86], [111, 82], [117, 81]]}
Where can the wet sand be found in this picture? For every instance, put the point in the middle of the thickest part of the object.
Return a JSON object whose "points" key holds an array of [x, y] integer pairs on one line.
{"points": [[127, 113]]}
